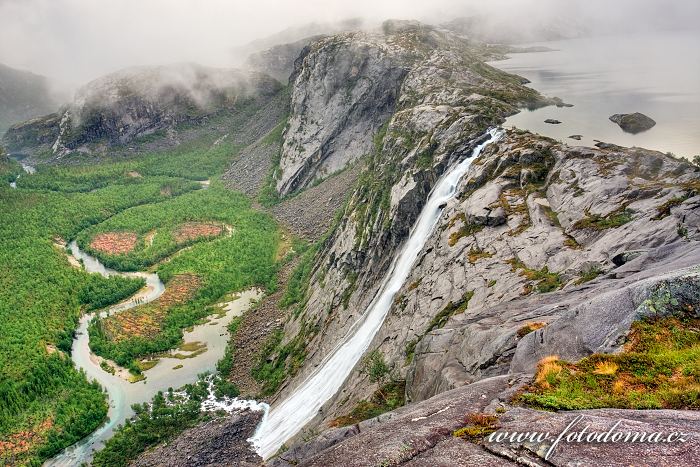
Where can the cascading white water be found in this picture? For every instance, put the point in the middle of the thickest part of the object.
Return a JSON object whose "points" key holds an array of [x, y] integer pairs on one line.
{"points": [[284, 420]]}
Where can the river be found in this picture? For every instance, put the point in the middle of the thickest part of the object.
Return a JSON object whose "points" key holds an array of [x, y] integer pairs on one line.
{"points": [[123, 394], [289, 416], [657, 73]]}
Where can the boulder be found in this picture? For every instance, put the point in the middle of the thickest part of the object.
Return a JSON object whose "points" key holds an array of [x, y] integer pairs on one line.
{"points": [[633, 123]]}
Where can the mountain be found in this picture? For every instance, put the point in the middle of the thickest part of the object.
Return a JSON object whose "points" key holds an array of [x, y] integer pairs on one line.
{"points": [[547, 276], [134, 104], [545, 250], [346, 87], [23, 95]]}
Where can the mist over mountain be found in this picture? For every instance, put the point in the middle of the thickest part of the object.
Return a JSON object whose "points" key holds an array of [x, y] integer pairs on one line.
{"points": [[23, 95], [75, 41]]}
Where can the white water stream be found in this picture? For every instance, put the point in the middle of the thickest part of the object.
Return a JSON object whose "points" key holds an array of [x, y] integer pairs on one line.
{"points": [[29, 169], [287, 418]]}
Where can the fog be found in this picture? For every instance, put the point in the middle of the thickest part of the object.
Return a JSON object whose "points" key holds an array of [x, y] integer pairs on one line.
{"points": [[74, 41]]}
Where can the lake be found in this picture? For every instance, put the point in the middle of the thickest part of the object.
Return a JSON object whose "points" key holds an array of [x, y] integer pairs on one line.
{"points": [[656, 74]]}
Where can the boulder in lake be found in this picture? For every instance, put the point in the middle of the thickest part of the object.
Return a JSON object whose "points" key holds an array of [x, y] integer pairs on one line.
{"points": [[576, 137], [633, 123]]}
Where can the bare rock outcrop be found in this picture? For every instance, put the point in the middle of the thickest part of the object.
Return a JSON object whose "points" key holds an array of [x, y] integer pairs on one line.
{"points": [[556, 259], [576, 239], [633, 123], [423, 434], [218, 442], [343, 89], [129, 105]]}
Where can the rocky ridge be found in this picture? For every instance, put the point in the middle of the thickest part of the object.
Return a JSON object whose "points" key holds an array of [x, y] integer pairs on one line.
{"points": [[130, 105], [345, 87], [446, 102], [538, 231]]}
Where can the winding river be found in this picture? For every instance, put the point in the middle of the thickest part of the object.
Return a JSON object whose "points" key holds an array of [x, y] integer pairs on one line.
{"points": [[285, 419], [123, 394]]}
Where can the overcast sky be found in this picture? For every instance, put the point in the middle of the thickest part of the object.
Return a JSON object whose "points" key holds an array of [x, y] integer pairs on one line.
{"points": [[77, 40]]}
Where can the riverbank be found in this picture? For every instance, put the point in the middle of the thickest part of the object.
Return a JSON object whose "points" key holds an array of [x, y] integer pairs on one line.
{"points": [[172, 370]]}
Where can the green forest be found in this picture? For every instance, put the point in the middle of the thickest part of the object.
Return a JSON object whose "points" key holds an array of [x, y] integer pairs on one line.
{"points": [[45, 403]]}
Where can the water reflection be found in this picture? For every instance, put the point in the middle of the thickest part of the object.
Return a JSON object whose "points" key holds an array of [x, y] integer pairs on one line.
{"points": [[656, 74]]}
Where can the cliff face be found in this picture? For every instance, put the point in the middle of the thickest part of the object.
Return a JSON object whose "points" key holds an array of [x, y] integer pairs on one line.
{"points": [[344, 89], [117, 109]]}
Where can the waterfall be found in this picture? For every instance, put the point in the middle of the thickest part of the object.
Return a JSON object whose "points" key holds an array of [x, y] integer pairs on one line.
{"points": [[288, 417]]}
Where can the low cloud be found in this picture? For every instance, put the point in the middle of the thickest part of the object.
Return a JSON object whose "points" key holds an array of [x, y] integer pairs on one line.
{"points": [[73, 41]]}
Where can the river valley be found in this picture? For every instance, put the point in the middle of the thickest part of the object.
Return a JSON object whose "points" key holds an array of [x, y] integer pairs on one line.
{"points": [[169, 372]]}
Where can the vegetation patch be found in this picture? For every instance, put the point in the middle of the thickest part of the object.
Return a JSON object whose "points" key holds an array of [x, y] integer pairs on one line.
{"points": [[146, 320], [9, 168], [165, 228], [197, 230], [665, 209], [114, 243], [17, 445], [192, 346], [475, 254], [298, 283], [617, 218], [476, 427], [467, 228], [450, 310], [159, 421], [389, 397], [268, 196], [145, 365], [530, 327], [439, 321], [544, 281], [571, 242], [277, 361], [588, 275], [514, 203], [372, 196], [657, 369]]}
